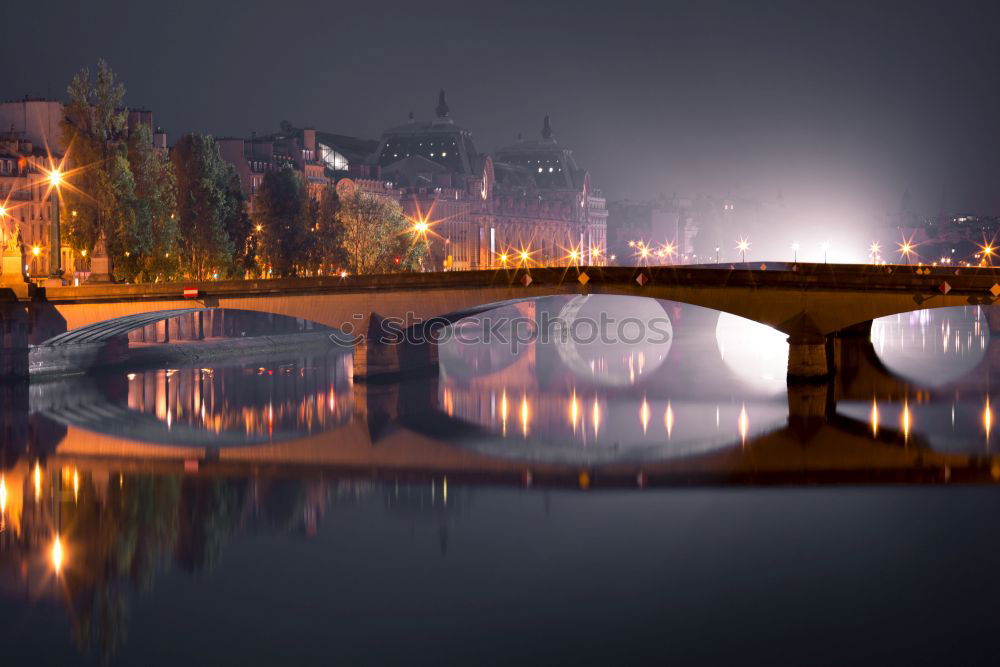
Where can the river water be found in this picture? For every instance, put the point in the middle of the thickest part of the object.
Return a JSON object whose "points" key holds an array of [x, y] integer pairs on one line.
{"points": [[557, 501]]}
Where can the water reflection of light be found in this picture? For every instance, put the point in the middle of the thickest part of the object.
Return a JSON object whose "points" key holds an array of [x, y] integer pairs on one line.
{"points": [[636, 349], [503, 411], [76, 485], [874, 418], [754, 352], [449, 402], [644, 414], [525, 415], [931, 347], [987, 418], [57, 554], [668, 420], [574, 410], [37, 479], [3, 494], [744, 424], [595, 416], [906, 420]]}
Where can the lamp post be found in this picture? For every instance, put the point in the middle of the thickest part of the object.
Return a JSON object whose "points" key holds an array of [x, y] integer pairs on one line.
{"points": [[55, 244], [826, 248], [743, 245], [795, 252]]}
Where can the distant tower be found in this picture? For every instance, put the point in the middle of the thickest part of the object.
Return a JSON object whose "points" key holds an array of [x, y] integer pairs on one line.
{"points": [[442, 107], [546, 128]]}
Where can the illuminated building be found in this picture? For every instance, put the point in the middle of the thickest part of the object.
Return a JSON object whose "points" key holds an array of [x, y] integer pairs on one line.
{"points": [[32, 136], [321, 157], [482, 207], [25, 205]]}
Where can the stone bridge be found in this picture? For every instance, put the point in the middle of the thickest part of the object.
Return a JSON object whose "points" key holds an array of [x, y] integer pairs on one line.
{"points": [[811, 303]]}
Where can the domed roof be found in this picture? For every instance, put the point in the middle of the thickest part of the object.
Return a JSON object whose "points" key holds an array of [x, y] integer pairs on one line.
{"points": [[438, 140]]}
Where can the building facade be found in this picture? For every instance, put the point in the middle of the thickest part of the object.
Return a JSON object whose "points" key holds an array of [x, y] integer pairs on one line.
{"points": [[527, 204], [321, 157], [30, 146]]}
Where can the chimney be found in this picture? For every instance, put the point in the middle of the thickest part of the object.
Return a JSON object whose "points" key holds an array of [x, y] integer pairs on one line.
{"points": [[309, 139]]}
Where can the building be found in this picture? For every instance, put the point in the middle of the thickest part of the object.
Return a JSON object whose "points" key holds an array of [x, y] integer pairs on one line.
{"points": [[529, 203], [25, 202], [30, 145], [321, 157]]}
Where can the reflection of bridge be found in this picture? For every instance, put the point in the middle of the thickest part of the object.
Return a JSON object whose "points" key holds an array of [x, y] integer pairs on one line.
{"points": [[809, 303], [398, 431]]}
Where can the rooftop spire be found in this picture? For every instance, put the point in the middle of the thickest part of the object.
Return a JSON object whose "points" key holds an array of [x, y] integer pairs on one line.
{"points": [[546, 128], [442, 107]]}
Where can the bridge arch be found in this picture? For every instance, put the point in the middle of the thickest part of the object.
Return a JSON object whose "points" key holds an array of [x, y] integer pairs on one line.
{"points": [[808, 304]]}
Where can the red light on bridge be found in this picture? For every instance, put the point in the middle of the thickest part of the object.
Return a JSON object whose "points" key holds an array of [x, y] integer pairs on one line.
{"points": [[190, 292]]}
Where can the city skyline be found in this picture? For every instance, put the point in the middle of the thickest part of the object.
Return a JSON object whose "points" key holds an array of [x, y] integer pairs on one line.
{"points": [[687, 98]]}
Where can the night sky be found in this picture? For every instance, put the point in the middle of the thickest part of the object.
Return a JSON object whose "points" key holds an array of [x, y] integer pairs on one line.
{"points": [[839, 105]]}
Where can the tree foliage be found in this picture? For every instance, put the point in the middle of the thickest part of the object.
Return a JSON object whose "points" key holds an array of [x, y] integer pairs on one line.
{"points": [[283, 214], [376, 236], [325, 252], [95, 133], [121, 186], [210, 208], [155, 208]]}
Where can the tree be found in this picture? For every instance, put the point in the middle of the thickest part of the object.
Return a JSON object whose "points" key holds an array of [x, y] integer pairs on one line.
{"points": [[155, 207], [210, 209], [281, 211], [376, 236], [102, 199], [325, 252]]}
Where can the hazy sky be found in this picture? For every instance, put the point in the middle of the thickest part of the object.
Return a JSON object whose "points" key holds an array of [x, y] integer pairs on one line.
{"points": [[838, 105]]}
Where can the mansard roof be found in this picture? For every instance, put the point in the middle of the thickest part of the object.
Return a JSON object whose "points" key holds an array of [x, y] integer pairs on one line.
{"points": [[552, 165]]}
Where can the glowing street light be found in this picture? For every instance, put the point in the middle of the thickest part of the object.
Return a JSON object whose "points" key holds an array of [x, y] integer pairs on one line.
{"points": [[56, 179], [669, 249], [743, 245], [987, 250], [643, 251], [906, 249], [874, 251]]}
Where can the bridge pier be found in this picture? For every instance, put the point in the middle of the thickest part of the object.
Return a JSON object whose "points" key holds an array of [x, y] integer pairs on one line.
{"points": [[808, 360], [14, 326], [387, 350]]}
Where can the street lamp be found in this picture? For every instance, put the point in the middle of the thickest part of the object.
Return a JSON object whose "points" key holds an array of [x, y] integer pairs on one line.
{"points": [[55, 179], [795, 252], [874, 250], [906, 249], [987, 250], [670, 249], [743, 245], [826, 249]]}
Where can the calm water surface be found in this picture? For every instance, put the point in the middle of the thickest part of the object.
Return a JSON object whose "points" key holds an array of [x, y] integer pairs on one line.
{"points": [[556, 504]]}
